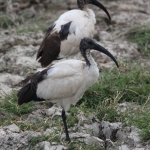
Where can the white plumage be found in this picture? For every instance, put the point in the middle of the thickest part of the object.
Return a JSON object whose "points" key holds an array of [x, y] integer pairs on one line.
{"points": [[67, 81], [63, 37], [82, 25]]}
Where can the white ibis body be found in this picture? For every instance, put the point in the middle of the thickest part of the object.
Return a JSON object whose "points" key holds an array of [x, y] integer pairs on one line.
{"points": [[63, 37], [65, 82]]}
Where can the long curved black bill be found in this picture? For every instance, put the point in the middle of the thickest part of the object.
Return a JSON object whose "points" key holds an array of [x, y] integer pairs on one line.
{"points": [[98, 4], [103, 50]]}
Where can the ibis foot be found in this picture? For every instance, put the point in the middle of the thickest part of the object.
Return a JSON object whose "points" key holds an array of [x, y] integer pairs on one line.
{"points": [[68, 139]]}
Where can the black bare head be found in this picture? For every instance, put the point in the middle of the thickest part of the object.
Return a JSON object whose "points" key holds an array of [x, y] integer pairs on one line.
{"points": [[83, 3], [89, 44]]}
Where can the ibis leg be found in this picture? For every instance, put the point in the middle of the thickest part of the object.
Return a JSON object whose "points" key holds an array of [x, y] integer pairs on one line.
{"points": [[65, 125]]}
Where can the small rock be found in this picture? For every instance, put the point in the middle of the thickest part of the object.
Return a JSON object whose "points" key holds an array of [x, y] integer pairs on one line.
{"points": [[86, 138], [147, 147], [139, 149], [129, 135], [35, 115], [14, 140], [123, 147], [50, 131], [91, 140], [122, 133], [130, 142], [134, 134], [94, 128], [53, 111], [85, 120], [12, 128], [110, 129], [109, 145], [54, 143], [2, 134], [44, 145], [126, 106], [47, 146], [122, 107]]}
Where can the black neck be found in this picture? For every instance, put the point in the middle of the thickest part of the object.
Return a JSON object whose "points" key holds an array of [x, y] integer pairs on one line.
{"points": [[86, 54], [82, 4]]}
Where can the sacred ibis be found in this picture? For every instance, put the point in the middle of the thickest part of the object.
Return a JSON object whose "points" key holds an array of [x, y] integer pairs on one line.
{"points": [[63, 37], [65, 82]]}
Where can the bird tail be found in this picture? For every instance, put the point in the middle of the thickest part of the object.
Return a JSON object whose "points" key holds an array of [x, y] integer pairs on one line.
{"points": [[26, 94]]}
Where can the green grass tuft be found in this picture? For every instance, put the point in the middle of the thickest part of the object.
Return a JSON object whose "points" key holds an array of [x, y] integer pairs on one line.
{"points": [[131, 82], [10, 105], [72, 119], [142, 121], [5, 21], [10, 110], [76, 145], [142, 38]]}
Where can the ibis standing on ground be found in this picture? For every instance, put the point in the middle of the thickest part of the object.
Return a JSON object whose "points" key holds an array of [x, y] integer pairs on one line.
{"points": [[65, 82], [63, 37]]}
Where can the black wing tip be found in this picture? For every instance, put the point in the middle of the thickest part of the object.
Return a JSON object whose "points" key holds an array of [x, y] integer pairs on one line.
{"points": [[25, 94], [46, 61], [20, 102], [44, 64]]}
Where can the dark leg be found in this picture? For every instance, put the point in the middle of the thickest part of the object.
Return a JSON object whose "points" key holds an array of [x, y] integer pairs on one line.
{"points": [[65, 126]]}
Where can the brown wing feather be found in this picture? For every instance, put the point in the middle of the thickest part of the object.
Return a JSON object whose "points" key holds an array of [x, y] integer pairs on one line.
{"points": [[50, 46], [41, 48], [49, 49]]}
